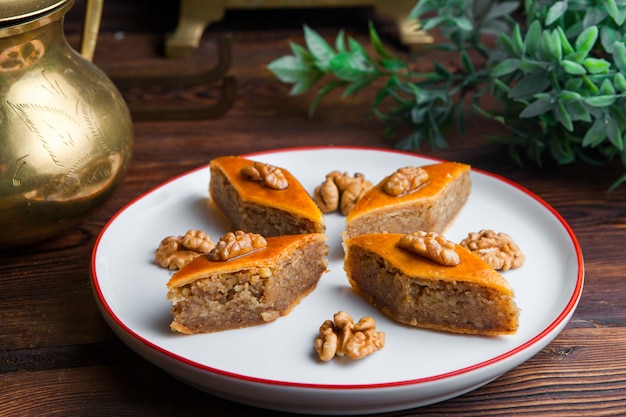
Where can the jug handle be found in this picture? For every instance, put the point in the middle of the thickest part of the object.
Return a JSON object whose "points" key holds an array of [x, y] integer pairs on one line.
{"points": [[93, 15]]}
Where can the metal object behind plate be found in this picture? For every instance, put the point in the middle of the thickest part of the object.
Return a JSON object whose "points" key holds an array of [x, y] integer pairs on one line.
{"points": [[17, 10], [196, 15], [66, 132]]}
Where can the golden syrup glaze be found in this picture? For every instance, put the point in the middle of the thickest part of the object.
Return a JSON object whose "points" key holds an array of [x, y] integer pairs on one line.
{"points": [[203, 267], [439, 176], [471, 269], [293, 199]]}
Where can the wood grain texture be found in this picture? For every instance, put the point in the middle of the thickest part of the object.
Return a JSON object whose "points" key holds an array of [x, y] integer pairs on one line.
{"points": [[58, 357]]}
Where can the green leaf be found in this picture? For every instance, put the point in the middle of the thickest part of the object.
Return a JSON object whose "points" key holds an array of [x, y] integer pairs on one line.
{"points": [[555, 12], [357, 50], [383, 93], [568, 96], [578, 112], [289, 69], [619, 114], [595, 134], [601, 101], [507, 44], [528, 66], [573, 68], [529, 86], [418, 115], [467, 63], [608, 37], [350, 67], [590, 85], [462, 23], [593, 16], [559, 147], [614, 133], [433, 22], [612, 9], [621, 180], [619, 56], [322, 93], [422, 7], [499, 85], [606, 88], [442, 70], [356, 86], [303, 85], [578, 57], [533, 39], [319, 48], [546, 47], [378, 44], [563, 116], [517, 41], [565, 43], [573, 84], [587, 39], [505, 67], [393, 65], [597, 66], [619, 81], [302, 53], [537, 107], [501, 9], [557, 49], [340, 43]]}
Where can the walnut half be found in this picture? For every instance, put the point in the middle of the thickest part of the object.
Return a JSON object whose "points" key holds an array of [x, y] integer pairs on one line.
{"points": [[340, 191], [235, 244], [269, 175], [326, 195], [342, 337], [432, 246], [174, 252], [405, 180], [497, 249]]}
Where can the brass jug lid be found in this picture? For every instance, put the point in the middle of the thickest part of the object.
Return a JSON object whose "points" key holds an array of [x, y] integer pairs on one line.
{"points": [[19, 10]]}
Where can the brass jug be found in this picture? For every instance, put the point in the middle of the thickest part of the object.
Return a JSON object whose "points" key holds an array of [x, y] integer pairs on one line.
{"points": [[66, 131]]}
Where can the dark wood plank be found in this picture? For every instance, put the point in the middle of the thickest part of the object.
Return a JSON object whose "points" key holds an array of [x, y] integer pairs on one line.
{"points": [[573, 376]]}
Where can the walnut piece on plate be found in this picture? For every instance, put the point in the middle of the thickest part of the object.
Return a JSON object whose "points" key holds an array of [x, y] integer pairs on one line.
{"points": [[340, 191], [342, 337], [497, 249], [174, 252]]}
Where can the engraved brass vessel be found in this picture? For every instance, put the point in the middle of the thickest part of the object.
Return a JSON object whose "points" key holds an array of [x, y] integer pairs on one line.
{"points": [[66, 131]]}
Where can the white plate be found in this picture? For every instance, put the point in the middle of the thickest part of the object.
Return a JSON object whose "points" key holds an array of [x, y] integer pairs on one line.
{"points": [[274, 365]]}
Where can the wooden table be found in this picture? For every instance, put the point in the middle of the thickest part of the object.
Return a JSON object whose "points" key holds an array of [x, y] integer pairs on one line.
{"points": [[58, 357]]}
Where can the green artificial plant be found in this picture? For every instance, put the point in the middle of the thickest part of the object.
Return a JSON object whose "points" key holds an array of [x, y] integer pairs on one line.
{"points": [[556, 69]]}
